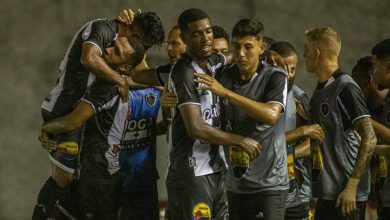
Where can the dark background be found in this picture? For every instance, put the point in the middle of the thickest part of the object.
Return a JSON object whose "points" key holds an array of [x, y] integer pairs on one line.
{"points": [[35, 35]]}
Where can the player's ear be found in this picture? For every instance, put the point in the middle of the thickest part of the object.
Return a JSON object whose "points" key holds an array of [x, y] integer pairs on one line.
{"points": [[125, 68]]}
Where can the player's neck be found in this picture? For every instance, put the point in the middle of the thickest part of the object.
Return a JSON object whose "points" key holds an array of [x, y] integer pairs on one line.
{"points": [[201, 61], [326, 71]]}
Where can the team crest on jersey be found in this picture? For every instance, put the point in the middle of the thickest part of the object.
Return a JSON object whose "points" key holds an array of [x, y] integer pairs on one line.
{"points": [[388, 118], [325, 109], [201, 211], [151, 99], [192, 161]]}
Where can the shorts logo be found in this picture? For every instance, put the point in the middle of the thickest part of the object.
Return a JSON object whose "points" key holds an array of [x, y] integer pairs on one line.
{"points": [[201, 211], [70, 147], [150, 99], [192, 161], [325, 109]]}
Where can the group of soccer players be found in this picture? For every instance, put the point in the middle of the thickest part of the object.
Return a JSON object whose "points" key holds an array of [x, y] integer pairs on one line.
{"points": [[245, 141]]}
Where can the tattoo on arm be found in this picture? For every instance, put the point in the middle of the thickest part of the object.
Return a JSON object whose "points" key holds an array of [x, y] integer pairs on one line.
{"points": [[367, 146]]}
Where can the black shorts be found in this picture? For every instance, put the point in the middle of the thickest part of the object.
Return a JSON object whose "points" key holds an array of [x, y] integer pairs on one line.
{"points": [[66, 153], [267, 205], [65, 156], [97, 185], [201, 197], [298, 212], [141, 204], [326, 210]]}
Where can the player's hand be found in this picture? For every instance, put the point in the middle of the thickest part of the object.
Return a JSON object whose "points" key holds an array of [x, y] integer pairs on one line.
{"points": [[251, 147], [168, 99], [46, 143], [347, 198], [127, 16], [207, 82], [123, 90], [274, 59], [313, 131]]}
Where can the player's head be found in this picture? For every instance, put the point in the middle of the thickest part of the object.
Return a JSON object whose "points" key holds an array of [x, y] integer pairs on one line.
{"points": [[148, 27], [361, 73], [288, 52], [381, 59], [268, 41], [221, 40], [196, 32], [247, 43], [175, 45], [124, 54], [322, 46]]}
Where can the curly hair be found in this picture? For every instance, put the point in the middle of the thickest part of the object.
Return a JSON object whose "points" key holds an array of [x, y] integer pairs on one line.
{"points": [[151, 26], [382, 49]]}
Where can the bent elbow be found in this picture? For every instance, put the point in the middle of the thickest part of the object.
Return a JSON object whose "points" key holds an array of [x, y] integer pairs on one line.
{"points": [[194, 132]]}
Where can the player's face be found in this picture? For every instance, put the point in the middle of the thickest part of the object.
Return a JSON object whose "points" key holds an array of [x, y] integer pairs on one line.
{"points": [[175, 45], [246, 52], [291, 62], [119, 53], [220, 45], [381, 72], [310, 56], [199, 38]]}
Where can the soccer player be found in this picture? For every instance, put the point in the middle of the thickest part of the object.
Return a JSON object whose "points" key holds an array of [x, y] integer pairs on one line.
{"points": [[195, 180], [82, 63], [297, 139], [381, 72], [254, 97], [375, 100], [137, 157], [102, 135], [221, 40], [338, 106], [175, 45]]}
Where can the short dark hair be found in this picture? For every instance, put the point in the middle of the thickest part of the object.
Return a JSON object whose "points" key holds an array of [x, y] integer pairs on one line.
{"points": [[283, 48], [139, 51], [248, 27], [382, 49], [219, 32], [361, 71], [190, 15], [152, 26], [268, 41]]}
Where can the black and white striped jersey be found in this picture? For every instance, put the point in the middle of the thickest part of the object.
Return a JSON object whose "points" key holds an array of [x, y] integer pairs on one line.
{"points": [[73, 78], [190, 157]]}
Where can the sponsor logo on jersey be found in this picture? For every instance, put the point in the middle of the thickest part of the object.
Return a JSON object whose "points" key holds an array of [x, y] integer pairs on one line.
{"points": [[150, 99], [325, 109], [201, 211], [137, 133], [212, 112], [48, 98], [70, 147]]}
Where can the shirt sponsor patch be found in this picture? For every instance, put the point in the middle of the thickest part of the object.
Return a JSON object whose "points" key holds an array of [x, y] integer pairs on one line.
{"points": [[201, 211]]}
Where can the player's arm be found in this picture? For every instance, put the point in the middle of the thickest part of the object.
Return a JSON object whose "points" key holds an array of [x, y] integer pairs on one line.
{"points": [[302, 149], [198, 129], [71, 121], [265, 112], [313, 131], [150, 76], [91, 59], [383, 150], [351, 98], [381, 131]]}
